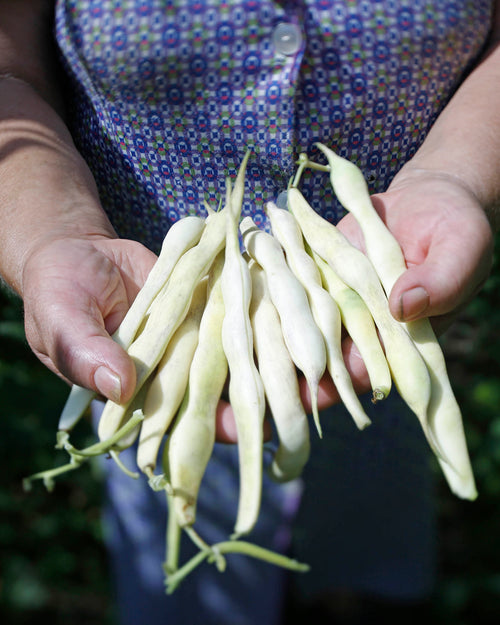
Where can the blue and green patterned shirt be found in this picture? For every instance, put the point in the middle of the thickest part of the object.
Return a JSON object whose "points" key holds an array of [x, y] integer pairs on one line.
{"points": [[165, 98], [167, 95]]}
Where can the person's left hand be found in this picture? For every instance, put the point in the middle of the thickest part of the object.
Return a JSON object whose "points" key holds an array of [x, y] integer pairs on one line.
{"points": [[447, 243]]}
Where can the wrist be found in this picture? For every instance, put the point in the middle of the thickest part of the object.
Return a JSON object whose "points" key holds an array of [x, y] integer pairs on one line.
{"points": [[47, 191], [43, 202], [44, 197], [443, 174]]}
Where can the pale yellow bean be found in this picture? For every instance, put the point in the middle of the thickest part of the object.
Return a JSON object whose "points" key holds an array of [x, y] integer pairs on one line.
{"points": [[407, 366], [359, 324], [169, 382], [281, 385], [324, 309], [181, 236], [302, 336], [190, 444], [167, 312], [246, 391], [444, 414]]}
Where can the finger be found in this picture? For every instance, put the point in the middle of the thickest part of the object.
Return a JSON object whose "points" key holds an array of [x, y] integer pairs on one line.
{"points": [[226, 431], [76, 346], [351, 230], [328, 394], [225, 424], [453, 271]]}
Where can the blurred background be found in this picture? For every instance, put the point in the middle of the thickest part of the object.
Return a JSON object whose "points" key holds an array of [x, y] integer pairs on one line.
{"points": [[52, 561]]}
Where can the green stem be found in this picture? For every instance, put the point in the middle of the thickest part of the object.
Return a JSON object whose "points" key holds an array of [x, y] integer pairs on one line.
{"points": [[197, 539], [104, 446], [215, 555], [233, 546], [173, 581], [49, 475], [249, 549], [116, 457], [303, 163], [173, 538], [79, 456]]}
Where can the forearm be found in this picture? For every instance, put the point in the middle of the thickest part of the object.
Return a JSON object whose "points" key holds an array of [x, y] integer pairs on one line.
{"points": [[464, 142], [46, 189]]}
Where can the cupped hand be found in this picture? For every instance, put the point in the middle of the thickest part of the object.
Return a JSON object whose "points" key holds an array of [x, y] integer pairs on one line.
{"points": [[75, 293], [447, 243]]}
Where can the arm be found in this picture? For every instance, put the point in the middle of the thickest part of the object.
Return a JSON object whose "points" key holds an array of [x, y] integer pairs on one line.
{"points": [[443, 208], [449, 194], [58, 250], [443, 205], [464, 143]]}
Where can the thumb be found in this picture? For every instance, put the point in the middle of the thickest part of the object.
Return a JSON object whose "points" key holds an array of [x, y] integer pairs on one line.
{"points": [[76, 346], [453, 271], [96, 362]]}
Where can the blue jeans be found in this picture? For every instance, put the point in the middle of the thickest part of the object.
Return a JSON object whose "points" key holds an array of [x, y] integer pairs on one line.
{"points": [[362, 516]]}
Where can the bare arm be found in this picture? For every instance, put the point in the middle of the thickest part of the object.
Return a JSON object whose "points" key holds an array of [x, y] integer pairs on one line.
{"points": [[464, 143], [58, 250], [443, 205], [46, 188]]}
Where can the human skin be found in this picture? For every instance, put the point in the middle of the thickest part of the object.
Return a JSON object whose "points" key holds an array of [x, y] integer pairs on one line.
{"points": [[77, 278]]}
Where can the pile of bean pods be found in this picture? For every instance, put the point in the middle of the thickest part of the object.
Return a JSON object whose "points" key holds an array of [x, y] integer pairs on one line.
{"points": [[231, 308]]}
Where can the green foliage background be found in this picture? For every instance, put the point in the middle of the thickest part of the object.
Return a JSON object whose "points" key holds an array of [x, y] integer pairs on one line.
{"points": [[52, 560]]}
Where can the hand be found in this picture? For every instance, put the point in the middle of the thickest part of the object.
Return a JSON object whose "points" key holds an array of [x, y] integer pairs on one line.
{"points": [[447, 242], [75, 293]]}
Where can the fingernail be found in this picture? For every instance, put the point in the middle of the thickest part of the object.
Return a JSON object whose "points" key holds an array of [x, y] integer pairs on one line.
{"points": [[413, 303], [108, 383]]}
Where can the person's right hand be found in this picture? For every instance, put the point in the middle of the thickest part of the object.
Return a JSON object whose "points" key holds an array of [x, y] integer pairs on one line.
{"points": [[75, 294]]}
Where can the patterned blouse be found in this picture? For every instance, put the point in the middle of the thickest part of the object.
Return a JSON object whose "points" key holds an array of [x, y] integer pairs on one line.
{"points": [[167, 96]]}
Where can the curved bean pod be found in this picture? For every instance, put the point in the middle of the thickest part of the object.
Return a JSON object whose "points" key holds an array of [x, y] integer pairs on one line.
{"points": [[246, 391], [281, 385], [189, 446], [168, 385], [407, 366], [302, 336], [167, 312], [444, 414], [180, 237], [324, 309], [358, 322]]}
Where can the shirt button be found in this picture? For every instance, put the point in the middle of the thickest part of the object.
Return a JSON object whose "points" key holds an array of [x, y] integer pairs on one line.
{"points": [[287, 38], [282, 200]]}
